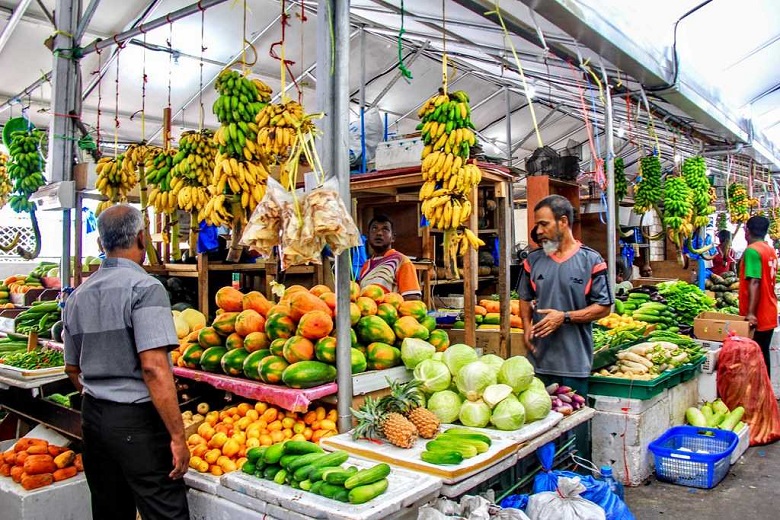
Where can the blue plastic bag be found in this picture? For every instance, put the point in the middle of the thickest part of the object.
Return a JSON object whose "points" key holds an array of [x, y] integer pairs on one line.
{"points": [[514, 502], [597, 491], [207, 238]]}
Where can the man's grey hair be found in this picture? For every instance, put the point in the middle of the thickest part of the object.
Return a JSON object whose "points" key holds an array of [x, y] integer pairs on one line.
{"points": [[560, 207], [118, 227]]}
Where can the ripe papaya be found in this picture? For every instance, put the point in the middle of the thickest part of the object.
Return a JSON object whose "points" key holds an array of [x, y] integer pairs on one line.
{"points": [[233, 362], [298, 348], [414, 308], [373, 328], [315, 325], [191, 356], [393, 299], [325, 350], [382, 356], [303, 301], [429, 322], [367, 306], [271, 368], [387, 312], [439, 339], [229, 299], [354, 291], [354, 313], [208, 337], [234, 341], [257, 302], [358, 360], [319, 290], [256, 341], [249, 321], [373, 291], [276, 347], [279, 326], [330, 300], [225, 323], [408, 327]]}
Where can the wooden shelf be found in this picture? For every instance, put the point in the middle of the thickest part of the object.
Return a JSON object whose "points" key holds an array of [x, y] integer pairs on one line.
{"points": [[482, 231], [449, 282]]}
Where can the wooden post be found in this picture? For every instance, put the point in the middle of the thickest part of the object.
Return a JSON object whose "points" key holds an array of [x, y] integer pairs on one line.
{"points": [[503, 213], [470, 272], [78, 247], [32, 341], [203, 284], [427, 247]]}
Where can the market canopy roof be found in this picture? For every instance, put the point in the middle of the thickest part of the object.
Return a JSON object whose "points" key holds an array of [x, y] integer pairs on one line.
{"points": [[483, 65]]}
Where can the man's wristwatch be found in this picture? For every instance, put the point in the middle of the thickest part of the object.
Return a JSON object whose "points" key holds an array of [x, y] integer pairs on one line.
{"points": [[566, 317]]}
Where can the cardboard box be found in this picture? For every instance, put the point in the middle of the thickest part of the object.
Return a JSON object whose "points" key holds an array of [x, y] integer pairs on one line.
{"points": [[715, 326]]}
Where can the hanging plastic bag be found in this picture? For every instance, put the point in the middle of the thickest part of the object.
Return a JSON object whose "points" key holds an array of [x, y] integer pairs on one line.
{"points": [[597, 491], [263, 230], [565, 503], [329, 220], [743, 381]]}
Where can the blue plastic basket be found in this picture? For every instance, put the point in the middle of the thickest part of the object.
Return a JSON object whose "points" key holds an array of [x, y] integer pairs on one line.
{"points": [[694, 457]]}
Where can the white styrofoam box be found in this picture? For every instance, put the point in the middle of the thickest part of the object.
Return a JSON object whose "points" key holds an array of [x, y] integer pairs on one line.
{"points": [[399, 153], [682, 397], [241, 499], [711, 356], [708, 386], [742, 445], [205, 482], [709, 344], [205, 506], [66, 500], [621, 440], [608, 403]]}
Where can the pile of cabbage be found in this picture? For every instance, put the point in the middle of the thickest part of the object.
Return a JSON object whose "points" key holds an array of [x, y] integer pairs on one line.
{"points": [[477, 391]]}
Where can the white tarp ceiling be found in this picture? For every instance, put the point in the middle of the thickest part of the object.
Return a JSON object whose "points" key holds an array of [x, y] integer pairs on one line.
{"points": [[483, 66]]}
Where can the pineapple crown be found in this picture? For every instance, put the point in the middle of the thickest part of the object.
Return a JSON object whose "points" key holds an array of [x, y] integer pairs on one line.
{"points": [[369, 419], [403, 398]]}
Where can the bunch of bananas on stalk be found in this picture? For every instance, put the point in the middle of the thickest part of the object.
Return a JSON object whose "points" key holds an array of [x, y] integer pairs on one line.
{"points": [[649, 189], [722, 221], [158, 170], [114, 180], [135, 155], [5, 182], [193, 167], [240, 98], [621, 184], [25, 168], [215, 212], [738, 203], [446, 124], [774, 222], [678, 209], [279, 124], [694, 170]]}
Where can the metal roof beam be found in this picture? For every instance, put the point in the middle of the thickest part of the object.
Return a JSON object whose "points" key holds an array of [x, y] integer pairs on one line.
{"points": [[10, 27], [85, 20]]}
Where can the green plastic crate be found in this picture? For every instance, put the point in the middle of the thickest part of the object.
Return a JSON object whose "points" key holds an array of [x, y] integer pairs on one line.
{"points": [[627, 388]]}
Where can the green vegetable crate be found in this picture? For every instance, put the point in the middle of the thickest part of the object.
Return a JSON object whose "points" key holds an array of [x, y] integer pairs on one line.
{"points": [[642, 390]]}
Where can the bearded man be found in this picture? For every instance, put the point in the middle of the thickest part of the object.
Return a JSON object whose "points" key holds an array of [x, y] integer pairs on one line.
{"points": [[568, 283]]}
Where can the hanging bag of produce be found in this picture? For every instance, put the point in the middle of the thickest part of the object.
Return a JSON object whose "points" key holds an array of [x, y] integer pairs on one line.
{"points": [[743, 380]]}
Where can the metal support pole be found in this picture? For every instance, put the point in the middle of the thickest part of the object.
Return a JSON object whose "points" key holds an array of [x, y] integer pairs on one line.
{"points": [[86, 18], [611, 210], [363, 162], [508, 127], [333, 99], [65, 100]]}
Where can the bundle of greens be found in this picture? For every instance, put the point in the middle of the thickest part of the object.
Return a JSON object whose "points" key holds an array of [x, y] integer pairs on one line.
{"points": [[34, 360], [687, 300]]}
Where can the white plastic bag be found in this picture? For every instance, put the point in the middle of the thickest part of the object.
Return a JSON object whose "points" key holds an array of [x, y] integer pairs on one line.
{"points": [[563, 504]]}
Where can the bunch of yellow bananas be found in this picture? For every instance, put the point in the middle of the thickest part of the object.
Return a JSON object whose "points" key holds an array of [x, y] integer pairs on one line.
{"points": [[237, 139], [451, 172], [738, 203], [442, 210], [457, 243], [278, 128], [193, 167], [446, 124], [214, 211], [774, 223], [165, 188], [246, 179], [6, 186], [135, 156], [114, 180], [678, 209]]}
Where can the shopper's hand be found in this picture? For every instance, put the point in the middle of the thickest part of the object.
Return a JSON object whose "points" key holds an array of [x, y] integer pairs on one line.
{"points": [[529, 340], [752, 320], [549, 324], [181, 459]]}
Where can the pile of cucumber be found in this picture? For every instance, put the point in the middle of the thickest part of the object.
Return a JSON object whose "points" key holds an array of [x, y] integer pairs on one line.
{"points": [[452, 446], [304, 465]]}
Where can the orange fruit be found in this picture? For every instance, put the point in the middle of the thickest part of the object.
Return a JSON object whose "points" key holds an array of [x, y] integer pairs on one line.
{"points": [[265, 440], [261, 407], [275, 426], [243, 408], [277, 436]]}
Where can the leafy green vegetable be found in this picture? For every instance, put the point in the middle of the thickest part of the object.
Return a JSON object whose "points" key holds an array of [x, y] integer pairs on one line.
{"points": [[687, 300]]}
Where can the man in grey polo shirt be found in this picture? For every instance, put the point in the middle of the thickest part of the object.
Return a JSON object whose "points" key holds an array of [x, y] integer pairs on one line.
{"points": [[568, 281], [117, 332]]}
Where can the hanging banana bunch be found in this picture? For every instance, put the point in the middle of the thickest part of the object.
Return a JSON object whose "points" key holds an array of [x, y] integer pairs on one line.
{"points": [[649, 189], [193, 167], [5, 181], [114, 180], [722, 221], [449, 179], [278, 129], [157, 168], [25, 170], [678, 209], [621, 184], [694, 171], [738, 204], [774, 222]]}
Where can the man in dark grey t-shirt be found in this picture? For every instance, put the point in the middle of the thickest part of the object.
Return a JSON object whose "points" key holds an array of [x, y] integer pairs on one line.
{"points": [[117, 332], [568, 281]]}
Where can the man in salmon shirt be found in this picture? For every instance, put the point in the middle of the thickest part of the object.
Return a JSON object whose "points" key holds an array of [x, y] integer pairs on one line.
{"points": [[757, 270], [388, 268]]}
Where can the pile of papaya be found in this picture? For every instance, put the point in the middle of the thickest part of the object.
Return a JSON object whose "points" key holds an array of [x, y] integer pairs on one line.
{"points": [[292, 342], [304, 465], [34, 463], [487, 315]]}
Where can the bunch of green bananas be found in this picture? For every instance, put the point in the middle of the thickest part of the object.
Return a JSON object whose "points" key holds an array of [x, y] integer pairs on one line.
{"points": [[722, 221], [5, 182], [158, 167], [621, 184], [239, 99], [774, 223], [194, 165], [678, 208], [649, 190], [694, 170], [446, 125], [738, 203], [25, 168]]}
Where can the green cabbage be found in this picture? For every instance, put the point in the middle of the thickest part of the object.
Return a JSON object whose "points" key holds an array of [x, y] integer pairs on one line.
{"points": [[493, 361], [473, 378], [434, 376], [537, 404], [474, 413], [494, 394], [457, 356], [537, 384], [438, 356], [446, 405], [509, 414], [516, 372], [414, 351]]}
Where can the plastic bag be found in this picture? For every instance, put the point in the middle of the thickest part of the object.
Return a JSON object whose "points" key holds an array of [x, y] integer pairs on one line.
{"points": [[263, 230], [597, 491], [375, 130], [565, 503], [328, 222], [743, 381]]}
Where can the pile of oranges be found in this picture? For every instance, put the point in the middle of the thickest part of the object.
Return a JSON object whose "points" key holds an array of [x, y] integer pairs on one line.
{"points": [[222, 440]]}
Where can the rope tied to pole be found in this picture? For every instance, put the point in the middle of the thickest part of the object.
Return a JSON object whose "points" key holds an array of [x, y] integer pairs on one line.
{"points": [[405, 72]]}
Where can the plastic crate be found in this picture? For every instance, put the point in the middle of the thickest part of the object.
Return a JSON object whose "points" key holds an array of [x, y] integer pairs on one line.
{"points": [[628, 388], [693, 457]]}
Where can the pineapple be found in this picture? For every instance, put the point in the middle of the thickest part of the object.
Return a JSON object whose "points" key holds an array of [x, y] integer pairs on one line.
{"points": [[373, 421], [407, 399]]}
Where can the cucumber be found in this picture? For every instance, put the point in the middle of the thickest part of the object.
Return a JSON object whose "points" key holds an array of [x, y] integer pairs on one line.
{"points": [[269, 473], [295, 484], [319, 472], [280, 476], [338, 477], [466, 450], [273, 453], [336, 458], [367, 476], [287, 459], [255, 454], [302, 460], [301, 448], [334, 492], [442, 458], [249, 467], [468, 434], [306, 485], [363, 494], [315, 488], [303, 473], [481, 446]]}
